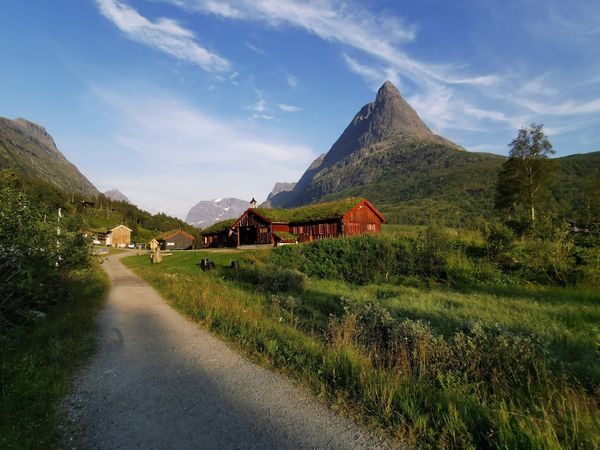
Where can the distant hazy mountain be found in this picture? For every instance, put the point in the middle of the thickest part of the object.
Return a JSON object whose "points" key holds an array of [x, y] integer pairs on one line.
{"points": [[37, 154], [115, 194], [208, 212], [278, 189]]}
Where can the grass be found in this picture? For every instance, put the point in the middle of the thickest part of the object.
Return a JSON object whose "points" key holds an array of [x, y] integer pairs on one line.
{"points": [[294, 332], [38, 364]]}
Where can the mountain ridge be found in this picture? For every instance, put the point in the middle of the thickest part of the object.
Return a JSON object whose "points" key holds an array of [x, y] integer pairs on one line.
{"points": [[208, 212], [37, 155]]}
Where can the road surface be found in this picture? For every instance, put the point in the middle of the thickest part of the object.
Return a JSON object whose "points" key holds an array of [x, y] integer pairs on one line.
{"points": [[159, 381]]}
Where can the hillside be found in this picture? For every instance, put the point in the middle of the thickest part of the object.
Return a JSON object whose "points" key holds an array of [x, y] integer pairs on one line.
{"points": [[37, 154], [388, 155]]}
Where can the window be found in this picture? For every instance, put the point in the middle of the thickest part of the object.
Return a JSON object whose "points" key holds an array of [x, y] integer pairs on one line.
{"points": [[321, 228]]}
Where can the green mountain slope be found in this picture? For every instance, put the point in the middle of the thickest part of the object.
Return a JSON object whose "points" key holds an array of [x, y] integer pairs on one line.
{"points": [[37, 154], [388, 155]]}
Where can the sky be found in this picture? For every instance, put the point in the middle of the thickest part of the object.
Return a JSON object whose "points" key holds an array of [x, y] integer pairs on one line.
{"points": [[177, 101]]}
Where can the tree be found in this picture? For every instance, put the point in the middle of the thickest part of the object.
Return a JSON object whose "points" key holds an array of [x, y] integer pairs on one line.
{"points": [[527, 173]]}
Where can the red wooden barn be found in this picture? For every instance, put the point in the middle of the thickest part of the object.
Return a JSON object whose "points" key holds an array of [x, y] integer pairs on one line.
{"points": [[265, 226], [219, 234]]}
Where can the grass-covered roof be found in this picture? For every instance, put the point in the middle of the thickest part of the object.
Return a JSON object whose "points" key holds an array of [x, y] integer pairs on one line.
{"points": [[166, 234], [219, 227], [285, 236], [310, 213]]}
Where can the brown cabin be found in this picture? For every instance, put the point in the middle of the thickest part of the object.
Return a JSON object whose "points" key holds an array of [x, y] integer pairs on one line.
{"points": [[119, 236], [265, 226], [175, 240], [219, 235]]}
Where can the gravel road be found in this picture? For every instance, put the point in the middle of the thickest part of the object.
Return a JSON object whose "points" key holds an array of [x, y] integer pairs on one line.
{"points": [[159, 381]]}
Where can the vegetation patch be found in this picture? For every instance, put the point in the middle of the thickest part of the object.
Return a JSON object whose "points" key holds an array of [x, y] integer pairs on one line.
{"points": [[441, 367]]}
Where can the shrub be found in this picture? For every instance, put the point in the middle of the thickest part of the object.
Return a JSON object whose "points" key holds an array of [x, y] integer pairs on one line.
{"points": [[269, 279], [498, 239]]}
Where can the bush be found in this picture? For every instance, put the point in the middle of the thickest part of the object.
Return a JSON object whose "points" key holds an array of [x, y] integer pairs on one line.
{"points": [[269, 279], [498, 239], [34, 257]]}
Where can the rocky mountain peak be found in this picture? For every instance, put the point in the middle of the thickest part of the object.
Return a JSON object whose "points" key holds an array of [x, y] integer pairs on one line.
{"points": [[115, 194], [388, 117], [35, 132]]}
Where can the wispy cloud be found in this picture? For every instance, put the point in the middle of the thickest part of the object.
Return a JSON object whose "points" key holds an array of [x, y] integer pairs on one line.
{"points": [[292, 81], [189, 154], [255, 49], [163, 34], [345, 23], [288, 108]]}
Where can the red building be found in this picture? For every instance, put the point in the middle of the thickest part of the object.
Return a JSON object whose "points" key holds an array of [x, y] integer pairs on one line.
{"points": [[265, 226]]}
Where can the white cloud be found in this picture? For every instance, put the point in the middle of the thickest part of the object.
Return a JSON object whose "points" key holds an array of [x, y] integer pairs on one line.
{"points": [[182, 154], [292, 81], [345, 23], [260, 106], [163, 34], [255, 49], [374, 76], [288, 108], [566, 108]]}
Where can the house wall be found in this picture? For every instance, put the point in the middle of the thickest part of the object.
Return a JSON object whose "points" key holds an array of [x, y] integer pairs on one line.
{"points": [[120, 237], [311, 231], [177, 241], [361, 220], [219, 240], [253, 230]]}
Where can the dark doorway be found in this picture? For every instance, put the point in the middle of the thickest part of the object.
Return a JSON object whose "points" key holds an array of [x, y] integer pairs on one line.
{"points": [[248, 235]]}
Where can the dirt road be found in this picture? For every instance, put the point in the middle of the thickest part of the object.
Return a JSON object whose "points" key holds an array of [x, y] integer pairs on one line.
{"points": [[159, 381]]}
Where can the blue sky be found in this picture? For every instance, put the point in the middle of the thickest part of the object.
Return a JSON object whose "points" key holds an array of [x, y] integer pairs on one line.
{"points": [[176, 101]]}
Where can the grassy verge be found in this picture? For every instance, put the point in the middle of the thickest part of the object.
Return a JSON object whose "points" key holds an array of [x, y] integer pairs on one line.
{"points": [[428, 365], [38, 364]]}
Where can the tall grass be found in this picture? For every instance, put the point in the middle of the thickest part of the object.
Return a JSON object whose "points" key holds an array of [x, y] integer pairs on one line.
{"points": [[477, 386], [38, 362]]}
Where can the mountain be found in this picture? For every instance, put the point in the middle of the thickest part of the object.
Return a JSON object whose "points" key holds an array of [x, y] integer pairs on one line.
{"points": [[116, 195], [389, 155], [208, 212], [278, 189], [37, 155]]}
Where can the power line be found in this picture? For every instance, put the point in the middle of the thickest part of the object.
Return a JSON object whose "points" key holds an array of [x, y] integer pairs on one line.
{"points": [[15, 159]]}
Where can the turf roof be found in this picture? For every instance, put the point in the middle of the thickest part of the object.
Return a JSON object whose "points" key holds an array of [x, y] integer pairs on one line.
{"points": [[219, 227], [169, 233], [309, 213], [285, 236]]}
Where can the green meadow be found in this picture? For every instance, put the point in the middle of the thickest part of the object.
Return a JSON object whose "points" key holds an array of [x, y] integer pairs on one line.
{"points": [[433, 363]]}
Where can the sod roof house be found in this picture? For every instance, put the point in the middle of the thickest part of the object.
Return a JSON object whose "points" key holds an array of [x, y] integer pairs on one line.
{"points": [[219, 234], [175, 240], [266, 226]]}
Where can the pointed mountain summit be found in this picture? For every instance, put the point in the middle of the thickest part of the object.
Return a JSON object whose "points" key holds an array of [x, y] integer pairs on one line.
{"points": [[380, 137], [388, 117]]}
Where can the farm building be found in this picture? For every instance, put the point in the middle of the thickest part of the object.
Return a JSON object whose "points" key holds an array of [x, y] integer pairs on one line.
{"points": [[175, 240], [219, 235], [119, 236], [264, 226], [98, 236]]}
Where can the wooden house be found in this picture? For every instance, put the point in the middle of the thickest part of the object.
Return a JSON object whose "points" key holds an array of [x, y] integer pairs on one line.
{"points": [[98, 236], [219, 235], [119, 236], [265, 226], [175, 240]]}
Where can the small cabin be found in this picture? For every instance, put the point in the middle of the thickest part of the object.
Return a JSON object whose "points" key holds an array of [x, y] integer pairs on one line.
{"points": [[266, 226], [153, 244], [219, 235], [119, 236], [175, 240], [97, 236]]}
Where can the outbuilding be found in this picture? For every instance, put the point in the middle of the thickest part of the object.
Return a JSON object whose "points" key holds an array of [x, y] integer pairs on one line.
{"points": [[175, 240], [219, 235]]}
